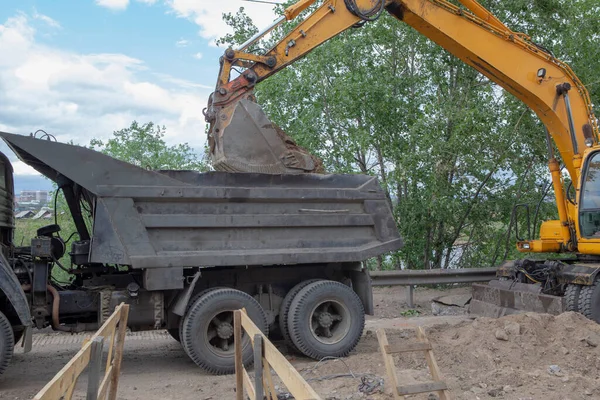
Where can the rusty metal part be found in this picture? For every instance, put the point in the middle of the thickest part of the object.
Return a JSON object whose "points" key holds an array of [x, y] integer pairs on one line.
{"points": [[56, 310]]}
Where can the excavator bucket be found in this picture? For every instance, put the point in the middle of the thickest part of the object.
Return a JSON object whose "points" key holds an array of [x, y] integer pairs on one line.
{"points": [[243, 139], [499, 298], [527, 285]]}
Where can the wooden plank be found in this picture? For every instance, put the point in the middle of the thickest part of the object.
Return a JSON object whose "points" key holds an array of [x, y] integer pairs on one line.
{"points": [[248, 384], [258, 367], [64, 381], [268, 378], [110, 324], [237, 343], [421, 388], [116, 372], [95, 369], [408, 347], [388, 361], [67, 376], [104, 385], [111, 345], [69, 394], [286, 372], [432, 363]]}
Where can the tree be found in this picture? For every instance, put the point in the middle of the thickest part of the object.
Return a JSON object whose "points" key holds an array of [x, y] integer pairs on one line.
{"points": [[144, 146]]}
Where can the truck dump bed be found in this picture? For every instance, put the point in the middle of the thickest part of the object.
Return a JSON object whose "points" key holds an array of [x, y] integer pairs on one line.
{"points": [[158, 219]]}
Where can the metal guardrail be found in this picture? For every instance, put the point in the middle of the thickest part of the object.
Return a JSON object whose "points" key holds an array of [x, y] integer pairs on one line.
{"points": [[431, 276], [411, 277]]}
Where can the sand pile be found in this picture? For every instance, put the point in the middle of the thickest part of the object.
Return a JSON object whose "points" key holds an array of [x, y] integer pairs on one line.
{"points": [[526, 356]]}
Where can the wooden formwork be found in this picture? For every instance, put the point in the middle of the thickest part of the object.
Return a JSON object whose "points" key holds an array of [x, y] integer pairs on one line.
{"points": [[421, 345], [266, 357], [100, 386]]}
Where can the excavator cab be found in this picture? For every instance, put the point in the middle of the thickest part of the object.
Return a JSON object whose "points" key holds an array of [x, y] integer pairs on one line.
{"points": [[589, 208]]}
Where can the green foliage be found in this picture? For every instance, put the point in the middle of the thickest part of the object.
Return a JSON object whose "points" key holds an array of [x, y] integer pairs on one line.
{"points": [[244, 28], [454, 153], [410, 313], [144, 146], [26, 229]]}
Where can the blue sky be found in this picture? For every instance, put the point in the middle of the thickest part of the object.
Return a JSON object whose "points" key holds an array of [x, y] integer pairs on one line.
{"points": [[81, 69]]}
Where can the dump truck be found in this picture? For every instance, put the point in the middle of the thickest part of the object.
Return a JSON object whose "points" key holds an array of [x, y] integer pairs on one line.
{"points": [[243, 139], [184, 249]]}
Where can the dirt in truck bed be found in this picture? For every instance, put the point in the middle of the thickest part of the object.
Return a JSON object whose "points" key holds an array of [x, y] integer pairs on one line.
{"points": [[528, 356]]}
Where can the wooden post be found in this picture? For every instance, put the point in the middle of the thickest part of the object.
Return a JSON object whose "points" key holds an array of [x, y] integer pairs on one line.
{"points": [[116, 370], [409, 296], [237, 343], [388, 361], [432, 363], [95, 367], [258, 367], [268, 379]]}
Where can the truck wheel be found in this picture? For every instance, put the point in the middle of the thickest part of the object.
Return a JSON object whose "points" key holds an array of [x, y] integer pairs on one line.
{"points": [[326, 319], [207, 329], [192, 301], [285, 309], [7, 343], [572, 293], [589, 301]]}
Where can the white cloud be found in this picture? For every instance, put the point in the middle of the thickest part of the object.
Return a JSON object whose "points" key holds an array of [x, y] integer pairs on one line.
{"points": [[46, 19], [198, 56], [20, 168], [115, 5], [207, 14], [83, 96], [182, 43], [149, 2]]}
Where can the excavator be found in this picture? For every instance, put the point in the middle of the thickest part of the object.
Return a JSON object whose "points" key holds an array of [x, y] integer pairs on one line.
{"points": [[242, 139]]}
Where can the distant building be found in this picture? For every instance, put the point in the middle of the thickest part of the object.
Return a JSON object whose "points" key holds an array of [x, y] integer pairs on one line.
{"points": [[39, 196], [24, 214], [44, 213]]}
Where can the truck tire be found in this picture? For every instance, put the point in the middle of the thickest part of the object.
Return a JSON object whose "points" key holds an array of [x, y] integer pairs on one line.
{"points": [[589, 301], [207, 329], [572, 293], [192, 300], [7, 343], [285, 309], [326, 319]]}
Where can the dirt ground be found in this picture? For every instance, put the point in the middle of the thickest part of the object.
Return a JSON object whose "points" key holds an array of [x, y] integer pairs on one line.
{"points": [[390, 302], [528, 356]]}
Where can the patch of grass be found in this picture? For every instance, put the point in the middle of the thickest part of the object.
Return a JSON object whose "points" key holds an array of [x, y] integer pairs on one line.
{"points": [[410, 313], [26, 229]]}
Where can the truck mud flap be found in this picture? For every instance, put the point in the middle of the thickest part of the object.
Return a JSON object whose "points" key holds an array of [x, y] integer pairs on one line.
{"points": [[490, 301]]}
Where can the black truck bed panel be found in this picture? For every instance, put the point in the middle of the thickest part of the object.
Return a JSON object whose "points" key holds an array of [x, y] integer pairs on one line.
{"points": [[154, 219]]}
